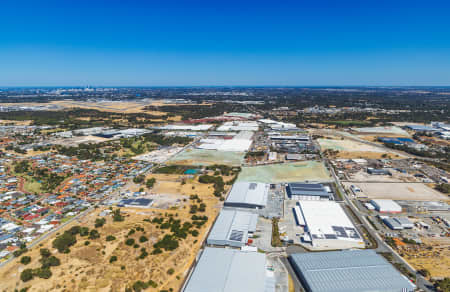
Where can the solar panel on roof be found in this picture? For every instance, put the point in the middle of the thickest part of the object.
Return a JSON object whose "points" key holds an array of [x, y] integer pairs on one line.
{"points": [[252, 186], [330, 236], [340, 231], [236, 235]]}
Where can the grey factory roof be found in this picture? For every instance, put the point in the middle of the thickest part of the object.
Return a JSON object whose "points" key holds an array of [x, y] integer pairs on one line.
{"points": [[248, 194], [348, 271], [232, 228], [228, 270], [306, 190]]}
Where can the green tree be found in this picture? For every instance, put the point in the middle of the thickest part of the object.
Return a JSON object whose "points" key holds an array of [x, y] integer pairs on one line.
{"points": [[25, 260], [26, 275]]}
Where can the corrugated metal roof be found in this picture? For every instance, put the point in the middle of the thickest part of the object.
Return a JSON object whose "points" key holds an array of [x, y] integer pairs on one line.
{"points": [[250, 193], [232, 227], [228, 270], [348, 271], [306, 190]]}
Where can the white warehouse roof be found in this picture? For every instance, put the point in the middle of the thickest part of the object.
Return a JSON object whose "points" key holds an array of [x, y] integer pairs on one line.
{"points": [[239, 126], [228, 270], [329, 226], [386, 206], [248, 194], [232, 228]]}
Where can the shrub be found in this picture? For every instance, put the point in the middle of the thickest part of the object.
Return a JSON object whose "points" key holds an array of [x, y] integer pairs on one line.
{"points": [[110, 238], [94, 234], [129, 241], [170, 271], [43, 273], [87, 242], [50, 261], [117, 217], [64, 241], [84, 231], [26, 275], [45, 253], [19, 252], [99, 222], [112, 259], [25, 260], [143, 239]]}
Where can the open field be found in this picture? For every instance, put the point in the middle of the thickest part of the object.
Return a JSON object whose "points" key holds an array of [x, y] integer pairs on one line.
{"points": [[382, 131], [347, 145], [352, 149], [399, 191], [207, 157], [15, 123], [88, 267], [436, 259], [287, 172]]}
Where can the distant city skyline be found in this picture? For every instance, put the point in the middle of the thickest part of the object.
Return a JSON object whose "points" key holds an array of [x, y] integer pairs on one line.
{"points": [[205, 43]]}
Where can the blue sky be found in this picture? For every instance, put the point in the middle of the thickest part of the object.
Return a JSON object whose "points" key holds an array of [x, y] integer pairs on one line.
{"points": [[159, 43]]}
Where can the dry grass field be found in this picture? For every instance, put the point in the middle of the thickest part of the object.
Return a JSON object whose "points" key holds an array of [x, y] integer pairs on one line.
{"points": [[434, 256], [88, 267]]}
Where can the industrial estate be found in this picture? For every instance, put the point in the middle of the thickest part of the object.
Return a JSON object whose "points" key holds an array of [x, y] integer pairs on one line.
{"points": [[224, 189]]}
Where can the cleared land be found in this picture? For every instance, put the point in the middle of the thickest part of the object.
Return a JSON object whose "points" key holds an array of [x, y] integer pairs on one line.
{"points": [[207, 157], [352, 149], [347, 145], [399, 191], [287, 172], [382, 131], [434, 256], [88, 267]]}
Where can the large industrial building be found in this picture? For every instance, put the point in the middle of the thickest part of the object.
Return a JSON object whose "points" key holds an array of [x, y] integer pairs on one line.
{"points": [[310, 192], [229, 270], [240, 142], [248, 195], [232, 228], [348, 271], [327, 226], [386, 206]]}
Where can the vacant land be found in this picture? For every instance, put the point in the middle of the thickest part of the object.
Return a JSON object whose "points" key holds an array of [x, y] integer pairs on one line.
{"points": [[382, 131], [433, 255], [287, 172], [89, 267], [353, 149], [348, 146], [399, 191], [207, 157]]}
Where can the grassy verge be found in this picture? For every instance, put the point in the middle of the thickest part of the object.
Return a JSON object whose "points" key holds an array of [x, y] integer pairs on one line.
{"points": [[275, 233]]}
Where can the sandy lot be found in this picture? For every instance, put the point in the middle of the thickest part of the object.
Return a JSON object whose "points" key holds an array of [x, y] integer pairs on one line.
{"points": [[347, 145], [436, 260], [399, 191]]}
